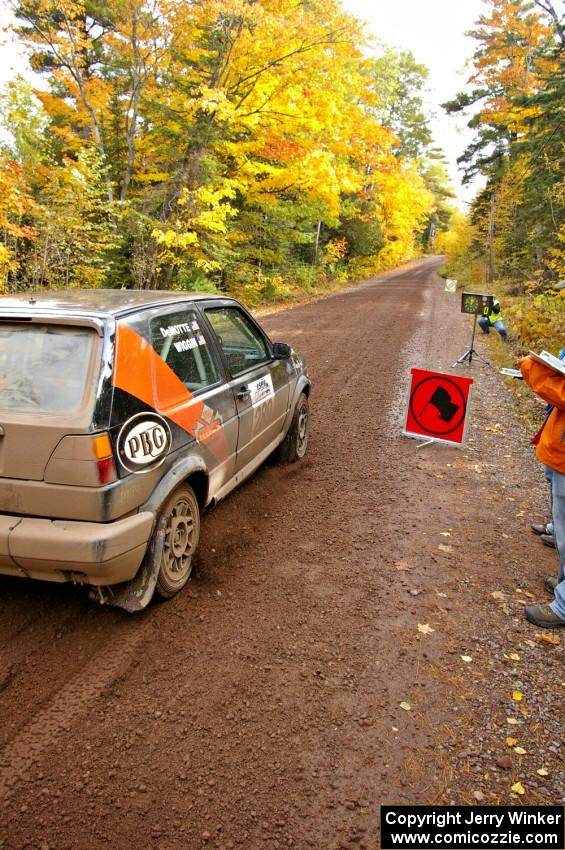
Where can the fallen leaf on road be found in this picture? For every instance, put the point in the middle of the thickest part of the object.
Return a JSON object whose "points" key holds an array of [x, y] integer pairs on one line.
{"points": [[443, 548], [512, 721], [530, 642], [445, 533], [542, 772], [553, 639], [514, 656], [518, 788], [529, 595], [517, 695], [443, 595], [425, 629], [466, 658], [511, 741], [520, 750], [405, 706]]}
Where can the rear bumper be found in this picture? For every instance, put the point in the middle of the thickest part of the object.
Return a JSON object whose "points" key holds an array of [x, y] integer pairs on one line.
{"points": [[84, 552]]}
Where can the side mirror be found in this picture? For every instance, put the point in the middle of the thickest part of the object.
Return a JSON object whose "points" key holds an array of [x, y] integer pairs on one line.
{"points": [[281, 351]]}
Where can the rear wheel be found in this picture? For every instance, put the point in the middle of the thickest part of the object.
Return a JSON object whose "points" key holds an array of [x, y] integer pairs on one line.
{"points": [[294, 445], [181, 517]]}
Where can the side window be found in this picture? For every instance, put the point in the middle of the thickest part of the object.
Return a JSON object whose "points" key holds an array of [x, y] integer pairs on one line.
{"points": [[178, 340], [241, 342]]}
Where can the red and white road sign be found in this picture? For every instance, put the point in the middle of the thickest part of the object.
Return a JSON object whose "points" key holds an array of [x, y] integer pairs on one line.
{"points": [[438, 407]]}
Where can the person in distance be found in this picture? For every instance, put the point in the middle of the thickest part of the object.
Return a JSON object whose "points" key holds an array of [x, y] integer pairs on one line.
{"points": [[493, 319]]}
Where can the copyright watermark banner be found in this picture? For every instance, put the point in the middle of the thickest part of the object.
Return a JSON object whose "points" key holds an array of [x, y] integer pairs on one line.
{"points": [[476, 827]]}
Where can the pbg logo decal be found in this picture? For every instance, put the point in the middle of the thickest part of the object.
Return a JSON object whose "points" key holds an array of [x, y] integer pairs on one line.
{"points": [[143, 442]]}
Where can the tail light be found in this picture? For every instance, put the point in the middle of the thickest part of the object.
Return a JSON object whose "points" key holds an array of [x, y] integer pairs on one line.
{"points": [[82, 461], [102, 449]]}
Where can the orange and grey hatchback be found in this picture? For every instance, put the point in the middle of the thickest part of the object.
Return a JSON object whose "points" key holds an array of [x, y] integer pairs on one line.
{"points": [[123, 414]]}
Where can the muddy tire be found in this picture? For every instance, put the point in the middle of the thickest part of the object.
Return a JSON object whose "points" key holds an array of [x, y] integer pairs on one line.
{"points": [[181, 517], [294, 445]]}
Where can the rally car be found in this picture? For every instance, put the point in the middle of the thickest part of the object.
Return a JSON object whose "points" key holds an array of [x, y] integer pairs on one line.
{"points": [[123, 415]]}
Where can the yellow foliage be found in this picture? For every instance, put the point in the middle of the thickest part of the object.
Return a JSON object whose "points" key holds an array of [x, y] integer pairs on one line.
{"points": [[538, 321], [7, 260], [405, 204], [172, 239], [335, 249]]}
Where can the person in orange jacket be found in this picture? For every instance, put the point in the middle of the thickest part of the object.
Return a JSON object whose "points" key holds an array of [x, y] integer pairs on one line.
{"points": [[549, 385]]}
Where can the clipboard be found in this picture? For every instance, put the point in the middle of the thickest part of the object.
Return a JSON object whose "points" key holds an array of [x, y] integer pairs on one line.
{"points": [[549, 360]]}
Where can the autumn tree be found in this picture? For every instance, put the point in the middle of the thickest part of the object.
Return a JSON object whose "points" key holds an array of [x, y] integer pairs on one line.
{"points": [[399, 83], [237, 144], [518, 82], [16, 211]]}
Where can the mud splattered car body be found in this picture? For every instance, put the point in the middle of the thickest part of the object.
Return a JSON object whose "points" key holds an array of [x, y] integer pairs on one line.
{"points": [[122, 416]]}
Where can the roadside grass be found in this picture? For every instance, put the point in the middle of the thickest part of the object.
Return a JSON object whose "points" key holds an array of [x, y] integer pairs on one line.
{"points": [[294, 297], [537, 321], [299, 297]]}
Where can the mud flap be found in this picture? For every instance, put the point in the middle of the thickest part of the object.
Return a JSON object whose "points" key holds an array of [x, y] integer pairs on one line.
{"points": [[135, 595]]}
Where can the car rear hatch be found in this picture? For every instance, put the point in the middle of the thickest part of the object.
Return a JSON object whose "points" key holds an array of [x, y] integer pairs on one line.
{"points": [[48, 376]]}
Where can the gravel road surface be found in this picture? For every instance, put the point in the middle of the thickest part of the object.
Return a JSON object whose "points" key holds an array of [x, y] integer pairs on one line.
{"points": [[261, 707]]}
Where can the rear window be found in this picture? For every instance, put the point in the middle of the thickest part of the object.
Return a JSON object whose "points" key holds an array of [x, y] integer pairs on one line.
{"points": [[43, 368]]}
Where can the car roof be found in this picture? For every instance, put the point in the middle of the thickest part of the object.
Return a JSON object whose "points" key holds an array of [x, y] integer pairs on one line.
{"points": [[96, 302]]}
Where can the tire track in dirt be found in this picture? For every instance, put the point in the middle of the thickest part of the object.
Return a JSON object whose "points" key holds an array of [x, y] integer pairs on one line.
{"points": [[47, 647], [76, 697]]}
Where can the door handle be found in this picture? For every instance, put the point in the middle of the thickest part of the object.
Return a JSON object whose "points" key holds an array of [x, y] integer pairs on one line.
{"points": [[242, 394]]}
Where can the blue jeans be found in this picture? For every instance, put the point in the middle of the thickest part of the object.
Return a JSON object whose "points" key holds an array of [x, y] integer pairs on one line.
{"points": [[549, 478], [499, 325], [558, 604]]}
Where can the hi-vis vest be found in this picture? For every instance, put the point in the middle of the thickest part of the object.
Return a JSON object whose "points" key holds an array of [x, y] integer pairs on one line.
{"points": [[493, 317]]}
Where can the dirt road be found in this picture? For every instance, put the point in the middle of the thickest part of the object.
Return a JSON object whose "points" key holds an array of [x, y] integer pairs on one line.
{"points": [[261, 707]]}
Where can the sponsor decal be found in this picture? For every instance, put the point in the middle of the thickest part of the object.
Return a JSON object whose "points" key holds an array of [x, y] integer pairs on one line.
{"points": [[185, 344], [208, 424], [261, 390], [175, 330], [143, 442]]}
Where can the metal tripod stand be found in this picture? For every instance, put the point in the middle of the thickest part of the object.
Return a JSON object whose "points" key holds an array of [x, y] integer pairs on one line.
{"points": [[468, 355]]}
